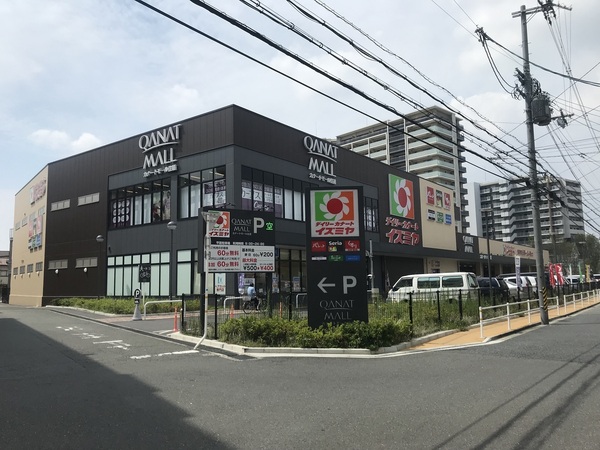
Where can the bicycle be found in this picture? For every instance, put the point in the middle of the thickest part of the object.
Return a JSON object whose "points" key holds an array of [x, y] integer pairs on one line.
{"points": [[250, 305]]}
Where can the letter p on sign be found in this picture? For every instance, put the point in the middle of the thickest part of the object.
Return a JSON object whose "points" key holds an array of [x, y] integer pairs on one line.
{"points": [[258, 223], [349, 282]]}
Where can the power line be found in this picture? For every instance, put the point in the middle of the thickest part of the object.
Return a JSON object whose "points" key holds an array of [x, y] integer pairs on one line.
{"points": [[365, 52], [245, 55], [322, 72], [298, 58], [577, 80]]}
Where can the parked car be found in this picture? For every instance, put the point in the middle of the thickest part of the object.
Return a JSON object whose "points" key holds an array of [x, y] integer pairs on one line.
{"points": [[532, 285], [517, 292], [499, 287], [426, 286]]}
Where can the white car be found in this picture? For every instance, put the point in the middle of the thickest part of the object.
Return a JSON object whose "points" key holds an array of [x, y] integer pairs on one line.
{"points": [[512, 287], [511, 282], [533, 283]]}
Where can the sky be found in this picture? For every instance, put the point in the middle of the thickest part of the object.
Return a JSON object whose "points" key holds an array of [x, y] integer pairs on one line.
{"points": [[78, 74]]}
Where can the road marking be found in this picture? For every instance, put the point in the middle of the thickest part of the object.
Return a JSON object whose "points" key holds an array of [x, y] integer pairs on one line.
{"points": [[70, 328], [89, 335], [163, 332], [118, 344], [183, 352]]}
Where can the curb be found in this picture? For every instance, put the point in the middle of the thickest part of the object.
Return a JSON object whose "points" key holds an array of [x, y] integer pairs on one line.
{"points": [[249, 351]]}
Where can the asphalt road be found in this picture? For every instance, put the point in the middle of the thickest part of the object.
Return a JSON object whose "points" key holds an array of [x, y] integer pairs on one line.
{"points": [[70, 383]]}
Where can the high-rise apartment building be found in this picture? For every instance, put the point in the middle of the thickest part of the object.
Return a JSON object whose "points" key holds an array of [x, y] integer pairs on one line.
{"points": [[502, 210], [427, 143]]}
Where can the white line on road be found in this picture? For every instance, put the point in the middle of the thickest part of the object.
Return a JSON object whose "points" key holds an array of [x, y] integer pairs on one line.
{"points": [[183, 352], [118, 344], [163, 332]]}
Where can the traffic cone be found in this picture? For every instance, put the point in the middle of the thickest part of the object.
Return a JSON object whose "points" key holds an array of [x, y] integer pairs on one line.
{"points": [[175, 325]]}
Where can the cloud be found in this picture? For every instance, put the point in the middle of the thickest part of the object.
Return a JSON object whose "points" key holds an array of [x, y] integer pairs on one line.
{"points": [[86, 141], [54, 139], [63, 143]]}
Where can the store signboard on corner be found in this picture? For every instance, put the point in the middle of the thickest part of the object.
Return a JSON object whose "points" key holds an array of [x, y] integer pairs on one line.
{"points": [[335, 248]]}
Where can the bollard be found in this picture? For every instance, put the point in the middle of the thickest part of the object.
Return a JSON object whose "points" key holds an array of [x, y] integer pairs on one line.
{"points": [[136, 311], [175, 325], [183, 308]]}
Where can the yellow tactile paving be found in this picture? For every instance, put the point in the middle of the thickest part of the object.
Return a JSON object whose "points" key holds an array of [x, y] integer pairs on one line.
{"points": [[502, 326]]}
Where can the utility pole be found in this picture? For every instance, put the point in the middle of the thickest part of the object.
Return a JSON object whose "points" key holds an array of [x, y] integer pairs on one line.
{"points": [[528, 94], [533, 176]]}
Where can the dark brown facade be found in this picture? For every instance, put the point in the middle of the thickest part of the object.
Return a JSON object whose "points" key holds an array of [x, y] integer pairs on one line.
{"points": [[251, 151]]}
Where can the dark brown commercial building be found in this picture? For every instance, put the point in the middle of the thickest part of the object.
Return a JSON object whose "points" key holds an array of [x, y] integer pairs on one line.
{"points": [[84, 224]]}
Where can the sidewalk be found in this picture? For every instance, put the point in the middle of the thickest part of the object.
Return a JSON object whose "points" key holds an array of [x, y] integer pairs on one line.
{"points": [[501, 327], [163, 326]]}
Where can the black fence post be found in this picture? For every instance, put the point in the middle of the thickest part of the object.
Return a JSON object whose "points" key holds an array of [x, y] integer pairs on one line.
{"points": [[460, 305], [439, 309], [290, 306], [201, 316], [410, 308]]}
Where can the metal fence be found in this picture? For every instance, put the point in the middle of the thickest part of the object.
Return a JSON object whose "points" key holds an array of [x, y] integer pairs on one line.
{"points": [[223, 308], [426, 312]]}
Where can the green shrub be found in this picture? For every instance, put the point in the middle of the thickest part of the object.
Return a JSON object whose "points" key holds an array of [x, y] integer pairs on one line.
{"points": [[118, 306], [276, 332]]}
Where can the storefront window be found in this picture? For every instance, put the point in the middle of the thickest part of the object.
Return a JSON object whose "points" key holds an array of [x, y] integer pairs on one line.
{"points": [[291, 266], [199, 189], [123, 274], [140, 204], [371, 214], [184, 272], [265, 191]]}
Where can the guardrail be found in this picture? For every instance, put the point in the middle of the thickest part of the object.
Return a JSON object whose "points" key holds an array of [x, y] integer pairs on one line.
{"points": [[159, 301], [578, 297], [304, 294], [583, 296], [508, 314], [230, 298]]}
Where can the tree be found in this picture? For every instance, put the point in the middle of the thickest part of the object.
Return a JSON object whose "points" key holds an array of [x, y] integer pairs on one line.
{"points": [[582, 250]]}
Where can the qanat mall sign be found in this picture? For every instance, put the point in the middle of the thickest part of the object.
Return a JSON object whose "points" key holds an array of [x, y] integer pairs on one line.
{"points": [[158, 148], [322, 159]]}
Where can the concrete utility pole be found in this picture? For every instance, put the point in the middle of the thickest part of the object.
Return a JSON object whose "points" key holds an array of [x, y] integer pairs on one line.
{"points": [[547, 8], [533, 176]]}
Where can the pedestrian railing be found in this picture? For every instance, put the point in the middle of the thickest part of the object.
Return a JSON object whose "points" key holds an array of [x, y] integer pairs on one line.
{"points": [[508, 315], [226, 299], [570, 303], [177, 300], [578, 297]]}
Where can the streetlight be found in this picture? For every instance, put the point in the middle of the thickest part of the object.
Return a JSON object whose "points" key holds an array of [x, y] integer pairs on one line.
{"points": [[99, 240], [172, 225]]}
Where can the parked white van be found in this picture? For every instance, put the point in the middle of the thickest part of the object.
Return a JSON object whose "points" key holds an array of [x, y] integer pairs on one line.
{"points": [[425, 286]]}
